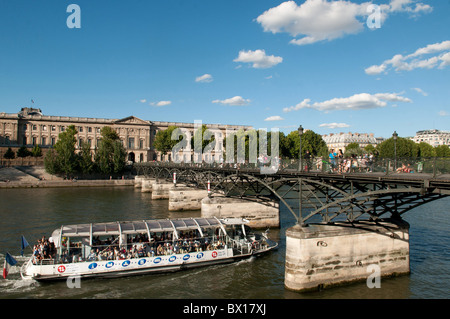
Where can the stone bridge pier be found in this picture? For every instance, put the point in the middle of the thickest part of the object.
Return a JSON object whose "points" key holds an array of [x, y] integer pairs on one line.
{"points": [[325, 255]]}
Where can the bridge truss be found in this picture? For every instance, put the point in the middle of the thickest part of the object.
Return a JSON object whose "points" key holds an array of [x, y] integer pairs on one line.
{"points": [[320, 197]]}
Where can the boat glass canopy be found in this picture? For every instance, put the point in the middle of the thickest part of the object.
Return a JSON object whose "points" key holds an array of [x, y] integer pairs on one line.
{"points": [[143, 226]]}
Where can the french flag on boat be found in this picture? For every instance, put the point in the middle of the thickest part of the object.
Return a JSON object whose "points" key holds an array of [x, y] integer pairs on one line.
{"points": [[9, 262], [24, 244]]}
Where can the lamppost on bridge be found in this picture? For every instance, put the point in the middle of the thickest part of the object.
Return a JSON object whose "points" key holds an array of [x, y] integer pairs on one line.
{"points": [[394, 136], [300, 133]]}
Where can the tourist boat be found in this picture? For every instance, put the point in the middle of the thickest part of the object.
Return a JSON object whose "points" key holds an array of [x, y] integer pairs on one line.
{"points": [[116, 249]]}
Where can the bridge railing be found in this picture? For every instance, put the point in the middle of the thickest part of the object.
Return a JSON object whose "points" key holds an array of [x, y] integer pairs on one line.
{"points": [[434, 166]]}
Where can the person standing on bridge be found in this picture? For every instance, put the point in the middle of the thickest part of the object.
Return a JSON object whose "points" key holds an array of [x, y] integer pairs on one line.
{"points": [[333, 156]]}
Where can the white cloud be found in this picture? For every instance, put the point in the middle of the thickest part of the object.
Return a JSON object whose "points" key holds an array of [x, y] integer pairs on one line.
{"points": [[237, 100], [334, 125], [443, 113], [416, 60], [274, 118], [205, 78], [419, 90], [355, 102], [319, 20], [143, 101], [161, 103], [259, 59]]}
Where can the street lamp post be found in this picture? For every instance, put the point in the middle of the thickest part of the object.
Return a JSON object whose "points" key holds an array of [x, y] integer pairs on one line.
{"points": [[300, 133], [394, 136]]}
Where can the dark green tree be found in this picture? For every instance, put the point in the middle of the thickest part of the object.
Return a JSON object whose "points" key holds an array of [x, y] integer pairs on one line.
{"points": [[405, 148], [442, 151], [426, 150], [86, 164], [9, 154], [311, 141], [36, 151], [51, 162], [164, 142], [111, 155], [65, 152], [23, 152]]}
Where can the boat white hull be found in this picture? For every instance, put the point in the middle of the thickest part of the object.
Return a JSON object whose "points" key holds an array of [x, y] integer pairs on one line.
{"points": [[129, 267]]}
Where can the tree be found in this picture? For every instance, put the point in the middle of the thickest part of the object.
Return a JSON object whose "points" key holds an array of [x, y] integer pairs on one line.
{"points": [[311, 142], [86, 164], [51, 162], [110, 156], [36, 151], [23, 152], [9, 154], [426, 150], [163, 139], [370, 149], [442, 151], [66, 159], [405, 148]]}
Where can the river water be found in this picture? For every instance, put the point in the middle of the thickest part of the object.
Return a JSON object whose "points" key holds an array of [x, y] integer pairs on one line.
{"points": [[37, 212]]}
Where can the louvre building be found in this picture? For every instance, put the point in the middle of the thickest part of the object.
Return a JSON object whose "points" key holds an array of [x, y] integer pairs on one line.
{"points": [[31, 127]]}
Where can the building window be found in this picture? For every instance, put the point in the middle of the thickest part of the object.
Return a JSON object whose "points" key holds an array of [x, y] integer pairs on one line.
{"points": [[53, 128], [43, 141], [89, 142], [141, 144], [131, 142], [80, 129], [24, 140], [53, 141], [90, 129], [34, 140], [44, 127], [34, 127]]}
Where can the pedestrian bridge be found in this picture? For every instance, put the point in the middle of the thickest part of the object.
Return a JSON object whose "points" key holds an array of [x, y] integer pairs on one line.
{"points": [[324, 193], [348, 220]]}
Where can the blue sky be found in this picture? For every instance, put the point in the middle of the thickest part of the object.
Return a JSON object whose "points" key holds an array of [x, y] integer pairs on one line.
{"points": [[269, 64]]}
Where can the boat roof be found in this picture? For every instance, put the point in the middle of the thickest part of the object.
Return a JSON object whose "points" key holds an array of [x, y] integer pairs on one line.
{"points": [[143, 226]]}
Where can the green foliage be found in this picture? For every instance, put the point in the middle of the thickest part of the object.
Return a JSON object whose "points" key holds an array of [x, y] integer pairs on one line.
{"points": [[164, 142], [442, 151], [426, 150], [23, 152], [9, 154], [85, 159], [370, 149], [110, 156], [405, 148], [36, 151], [311, 141], [51, 162], [65, 149]]}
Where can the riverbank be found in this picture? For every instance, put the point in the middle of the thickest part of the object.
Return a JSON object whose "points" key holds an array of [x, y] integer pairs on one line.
{"points": [[20, 177], [68, 183]]}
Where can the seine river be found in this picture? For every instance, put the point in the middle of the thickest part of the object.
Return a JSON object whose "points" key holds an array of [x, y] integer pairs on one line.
{"points": [[37, 212]]}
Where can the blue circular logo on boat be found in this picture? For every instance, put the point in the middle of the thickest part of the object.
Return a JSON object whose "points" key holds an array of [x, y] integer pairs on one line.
{"points": [[142, 261], [157, 260], [172, 258], [199, 255], [109, 264], [93, 266], [126, 263], [186, 257]]}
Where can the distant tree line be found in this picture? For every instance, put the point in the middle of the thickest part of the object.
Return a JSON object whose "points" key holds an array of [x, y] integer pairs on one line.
{"points": [[109, 158], [23, 152], [289, 145]]}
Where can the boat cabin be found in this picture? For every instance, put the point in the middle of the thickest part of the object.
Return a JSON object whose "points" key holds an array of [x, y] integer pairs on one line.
{"points": [[146, 238]]}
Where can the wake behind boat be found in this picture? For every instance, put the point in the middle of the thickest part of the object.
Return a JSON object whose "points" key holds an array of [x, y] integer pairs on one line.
{"points": [[117, 249]]}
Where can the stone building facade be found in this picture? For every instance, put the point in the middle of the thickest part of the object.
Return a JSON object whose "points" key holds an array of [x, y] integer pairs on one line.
{"points": [[31, 127], [342, 140]]}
